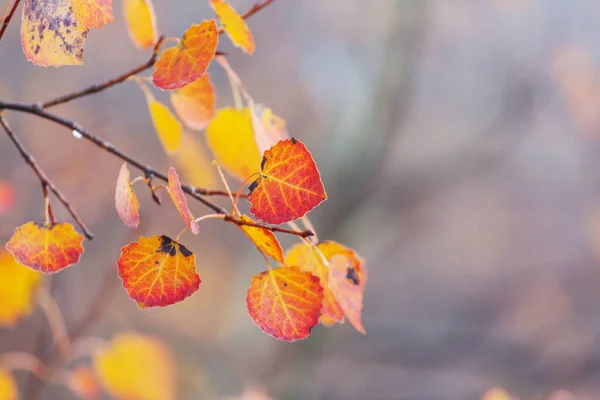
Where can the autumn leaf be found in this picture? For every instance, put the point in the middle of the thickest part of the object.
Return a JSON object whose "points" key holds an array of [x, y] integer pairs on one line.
{"points": [[188, 61], [7, 197], [234, 25], [157, 271], [136, 367], [194, 162], [83, 382], [8, 386], [165, 123], [126, 201], [263, 239], [141, 22], [93, 13], [285, 302], [308, 259], [496, 394], [50, 33], [195, 104], [18, 285], [46, 248], [180, 201], [231, 139], [345, 284], [289, 185], [268, 127]]}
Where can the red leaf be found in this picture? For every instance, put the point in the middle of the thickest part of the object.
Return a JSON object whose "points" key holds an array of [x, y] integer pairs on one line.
{"points": [[180, 201], [126, 202]]}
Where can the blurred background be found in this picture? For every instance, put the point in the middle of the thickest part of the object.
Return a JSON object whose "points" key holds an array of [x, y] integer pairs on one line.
{"points": [[459, 143]]}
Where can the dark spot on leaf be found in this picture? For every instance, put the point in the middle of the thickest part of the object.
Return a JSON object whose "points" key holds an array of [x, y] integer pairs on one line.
{"points": [[156, 262], [167, 246], [352, 276], [253, 185], [294, 141], [37, 49], [185, 251], [262, 163], [284, 284]]}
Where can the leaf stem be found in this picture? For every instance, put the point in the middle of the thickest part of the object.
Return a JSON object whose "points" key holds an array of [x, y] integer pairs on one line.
{"points": [[55, 321], [222, 176], [6, 20], [237, 194]]}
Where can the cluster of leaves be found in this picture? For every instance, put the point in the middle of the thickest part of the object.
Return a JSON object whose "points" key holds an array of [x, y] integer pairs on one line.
{"points": [[312, 282]]}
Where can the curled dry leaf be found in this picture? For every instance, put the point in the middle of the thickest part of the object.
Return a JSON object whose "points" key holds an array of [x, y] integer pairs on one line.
{"points": [[195, 103], [231, 139], [126, 202], [18, 285], [263, 239], [93, 13], [234, 25], [157, 271], [50, 33], [83, 382], [289, 184], [180, 201], [345, 284], [136, 367], [189, 59], [46, 248], [8, 386], [285, 302], [141, 22]]}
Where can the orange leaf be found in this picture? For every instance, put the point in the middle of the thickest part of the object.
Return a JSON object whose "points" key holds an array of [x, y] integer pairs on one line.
{"points": [[167, 126], [194, 162], [231, 140], [50, 33], [82, 381], [285, 302], [195, 103], [188, 61], [7, 197], [289, 185], [234, 25], [8, 386], [141, 22], [18, 284], [136, 367], [93, 13], [46, 248], [308, 259], [265, 240], [268, 127], [496, 394], [126, 201], [345, 284], [180, 201], [157, 271]]}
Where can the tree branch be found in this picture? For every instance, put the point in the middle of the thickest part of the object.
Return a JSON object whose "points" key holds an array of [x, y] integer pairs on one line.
{"points": [[9, 16], [146, 169], [46, 183]]}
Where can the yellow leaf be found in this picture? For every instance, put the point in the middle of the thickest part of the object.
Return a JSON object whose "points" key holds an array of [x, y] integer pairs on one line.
{"points": [[496, 394], [231, 139], [141, 22], [17, 288], [193, 161], [195, 103], [136, 367], [8, 387], [234, 25], [167, 126], [93, 13], [50, 33], [263, 239]]}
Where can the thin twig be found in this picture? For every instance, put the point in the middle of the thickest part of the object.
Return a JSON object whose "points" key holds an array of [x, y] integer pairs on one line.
{"points": [[147, 170], [256, 8], [21, 360], [46, 183], [8, 17], [55, 321]]}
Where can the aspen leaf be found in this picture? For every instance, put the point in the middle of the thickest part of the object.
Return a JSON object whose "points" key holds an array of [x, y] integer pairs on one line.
{"points": [[8, 386], [285, 302], [289, 185], [234, 25], [93, 13], [50, 33], [189, 59], [268, 127], [46, 248], [195, 104], [308, 259], [126, 202], [141, 22], [18, 285], [180, 201], [136, 367], [157, 271], [265, 240], [83, 382], [496, 394], [7, 197], [231, 140], [345, 284], [194, 162], [165, 123]]}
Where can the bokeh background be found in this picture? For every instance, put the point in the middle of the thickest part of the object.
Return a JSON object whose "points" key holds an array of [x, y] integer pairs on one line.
{"points": [[459, 143]]}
